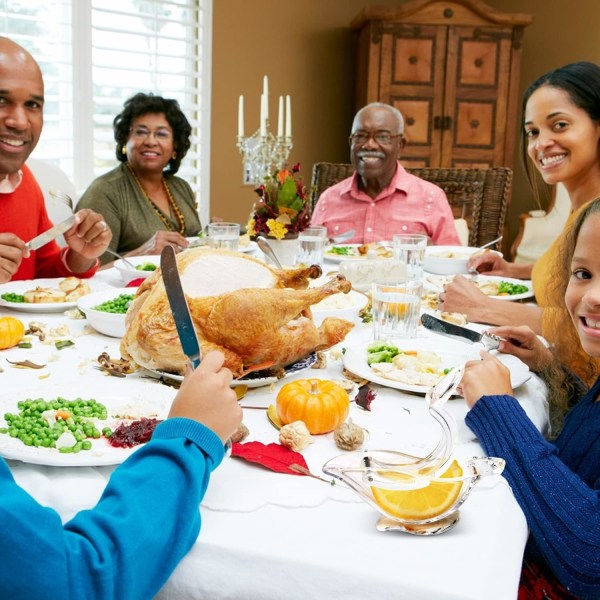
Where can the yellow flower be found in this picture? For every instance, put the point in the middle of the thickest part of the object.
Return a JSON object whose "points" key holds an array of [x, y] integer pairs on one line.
{"points": [[250, 226], [276, 229]]}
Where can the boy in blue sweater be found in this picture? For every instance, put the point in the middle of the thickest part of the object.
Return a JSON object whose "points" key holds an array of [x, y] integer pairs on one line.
{"points": [[556, 484], [147, 518]]}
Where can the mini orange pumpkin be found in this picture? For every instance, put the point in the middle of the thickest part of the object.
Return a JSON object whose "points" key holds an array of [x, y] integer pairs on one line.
{"points": [[323, 405], [11, 332]]}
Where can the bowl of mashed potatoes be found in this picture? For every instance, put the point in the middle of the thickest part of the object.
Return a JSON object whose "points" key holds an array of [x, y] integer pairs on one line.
{"points": [[449, 260], [343, 306]]}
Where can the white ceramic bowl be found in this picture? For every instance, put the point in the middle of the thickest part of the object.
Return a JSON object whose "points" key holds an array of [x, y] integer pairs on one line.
{"points": [[111, 324], [343, 306], [449, 260], [129, 274]]}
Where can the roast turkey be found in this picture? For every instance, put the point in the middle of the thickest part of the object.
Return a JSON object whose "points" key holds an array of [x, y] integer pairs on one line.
{"points": [[258, 316]]}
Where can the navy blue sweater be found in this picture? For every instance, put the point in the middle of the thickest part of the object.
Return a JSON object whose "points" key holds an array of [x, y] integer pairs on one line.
{"points": [[556, 484]]}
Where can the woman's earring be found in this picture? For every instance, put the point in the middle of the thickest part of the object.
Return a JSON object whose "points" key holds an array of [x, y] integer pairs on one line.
{"points": [[174, 155], [123, 150]]}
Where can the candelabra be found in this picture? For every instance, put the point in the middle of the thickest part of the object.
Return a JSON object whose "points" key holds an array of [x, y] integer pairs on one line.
{"points": [[262, 154]]}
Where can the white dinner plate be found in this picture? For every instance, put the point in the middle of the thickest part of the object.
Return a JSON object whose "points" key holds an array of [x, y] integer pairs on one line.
{"points": [[353, 253], [20, 287], [137, 406], [526, 282], [436, 283], [252, 380], [453, 354]]}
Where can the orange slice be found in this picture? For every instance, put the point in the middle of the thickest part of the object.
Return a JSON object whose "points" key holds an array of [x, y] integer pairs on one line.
{"points": [[422, 503]]}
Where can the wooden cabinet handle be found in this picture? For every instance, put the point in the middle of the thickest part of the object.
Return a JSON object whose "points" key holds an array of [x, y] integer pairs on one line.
{"points": [[410, 121], [437, 122], [413, 60], [447, 123], [474, 123]]}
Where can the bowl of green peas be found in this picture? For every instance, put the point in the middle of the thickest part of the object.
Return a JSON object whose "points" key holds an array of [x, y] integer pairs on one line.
{"points": [[106, 310]]}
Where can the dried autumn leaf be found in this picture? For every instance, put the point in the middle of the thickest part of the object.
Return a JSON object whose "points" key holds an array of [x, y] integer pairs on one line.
{"points": [[272, 456], [25, 364], [365, 396]]}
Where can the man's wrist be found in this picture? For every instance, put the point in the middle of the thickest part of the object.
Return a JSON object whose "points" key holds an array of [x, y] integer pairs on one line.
{"points": [[67, 254]]}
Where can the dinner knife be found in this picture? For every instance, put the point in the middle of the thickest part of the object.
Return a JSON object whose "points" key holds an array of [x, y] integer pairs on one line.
{"points": [[464, 334], [51, 234], [179, 306]]}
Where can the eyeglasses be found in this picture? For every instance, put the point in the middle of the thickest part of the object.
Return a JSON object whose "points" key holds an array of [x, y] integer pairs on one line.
{"points": [[160, 135], [381, 137]]}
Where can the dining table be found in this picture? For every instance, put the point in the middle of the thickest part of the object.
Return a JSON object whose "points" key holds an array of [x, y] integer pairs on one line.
{"points": [[267, 535]]}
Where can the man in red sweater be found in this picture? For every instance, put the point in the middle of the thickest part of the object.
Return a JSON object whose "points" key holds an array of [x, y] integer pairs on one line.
{"points": [[23, 212]]}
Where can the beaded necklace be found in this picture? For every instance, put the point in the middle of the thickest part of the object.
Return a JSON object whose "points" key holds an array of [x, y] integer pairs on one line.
{"points": [[178, 214]]}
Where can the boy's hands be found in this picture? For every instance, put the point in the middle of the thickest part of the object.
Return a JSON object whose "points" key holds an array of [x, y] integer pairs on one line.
{"points": [[206, 396]]}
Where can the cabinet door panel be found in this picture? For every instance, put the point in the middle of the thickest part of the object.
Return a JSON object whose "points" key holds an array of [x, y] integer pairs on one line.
{"points": [[412, 79], [477, 81]]}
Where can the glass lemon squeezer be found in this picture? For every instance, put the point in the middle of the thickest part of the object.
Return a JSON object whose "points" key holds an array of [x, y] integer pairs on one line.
{"points": [[417, 495]]}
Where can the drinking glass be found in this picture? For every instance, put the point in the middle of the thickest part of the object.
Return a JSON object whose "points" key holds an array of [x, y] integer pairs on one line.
{"points": [[311, 246], [396, 306], [224, 235], [410, 250]]}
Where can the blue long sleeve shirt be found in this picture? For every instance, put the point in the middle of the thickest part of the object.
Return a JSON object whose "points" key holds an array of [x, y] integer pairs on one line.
{"points": [[556, 484], [129, 543]]}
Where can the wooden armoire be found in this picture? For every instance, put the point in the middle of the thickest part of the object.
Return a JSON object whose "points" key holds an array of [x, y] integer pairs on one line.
{"points": [[452, 68]]}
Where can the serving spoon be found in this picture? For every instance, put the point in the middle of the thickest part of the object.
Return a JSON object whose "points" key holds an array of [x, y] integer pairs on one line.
{"points": [[266, 248]]}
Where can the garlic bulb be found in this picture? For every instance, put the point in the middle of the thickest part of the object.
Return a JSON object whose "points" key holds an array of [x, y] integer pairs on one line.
{"points": [[349, 436], [295, 436], [240, 434]]}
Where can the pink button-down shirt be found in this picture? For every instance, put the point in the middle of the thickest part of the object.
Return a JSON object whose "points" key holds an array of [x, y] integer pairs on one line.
{"points": [[408, 205]]}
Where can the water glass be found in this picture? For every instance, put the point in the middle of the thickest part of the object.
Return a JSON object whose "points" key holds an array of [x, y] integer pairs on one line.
{"points": [[396, 306], [224, 235], [311, 246], [410, 250]]}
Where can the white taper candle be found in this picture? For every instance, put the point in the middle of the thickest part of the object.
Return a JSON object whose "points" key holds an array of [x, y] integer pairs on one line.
{"points": [[241, 116], [288, 117], [280, 118]]}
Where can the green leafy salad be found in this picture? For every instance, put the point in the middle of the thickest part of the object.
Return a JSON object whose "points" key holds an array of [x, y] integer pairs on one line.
{"points": [[146, 267], [505, 288], [342, 250]]}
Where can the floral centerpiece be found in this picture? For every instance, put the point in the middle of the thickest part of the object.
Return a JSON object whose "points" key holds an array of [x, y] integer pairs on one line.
{"points": [[283, 208]]}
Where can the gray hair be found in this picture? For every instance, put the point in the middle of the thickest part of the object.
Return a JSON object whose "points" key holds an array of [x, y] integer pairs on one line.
{"points": [[389, 107]]}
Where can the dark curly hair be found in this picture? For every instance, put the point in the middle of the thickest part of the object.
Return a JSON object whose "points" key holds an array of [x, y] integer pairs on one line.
{"points": [[143, 104]]}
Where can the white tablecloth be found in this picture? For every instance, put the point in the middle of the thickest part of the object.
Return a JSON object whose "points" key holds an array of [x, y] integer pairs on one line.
{"points": [[270, 536]]}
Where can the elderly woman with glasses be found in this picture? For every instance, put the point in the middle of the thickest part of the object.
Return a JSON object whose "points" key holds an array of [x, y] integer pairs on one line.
{"points": [[143, 202], [381, 198]]}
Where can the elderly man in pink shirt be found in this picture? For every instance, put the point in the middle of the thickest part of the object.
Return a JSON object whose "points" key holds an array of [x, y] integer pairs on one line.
{"points": [[381, 198]]}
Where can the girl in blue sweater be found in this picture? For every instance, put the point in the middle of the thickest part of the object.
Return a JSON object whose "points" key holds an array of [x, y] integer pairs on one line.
{"points": [[556, 484], [147, 518]]}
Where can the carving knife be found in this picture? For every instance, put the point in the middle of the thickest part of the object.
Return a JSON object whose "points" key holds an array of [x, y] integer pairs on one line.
{"points": [[52, 233], [179, 306], [464, 334]]}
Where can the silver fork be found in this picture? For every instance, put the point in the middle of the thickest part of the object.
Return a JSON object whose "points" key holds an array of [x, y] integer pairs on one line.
{"points": [[66, 199]]}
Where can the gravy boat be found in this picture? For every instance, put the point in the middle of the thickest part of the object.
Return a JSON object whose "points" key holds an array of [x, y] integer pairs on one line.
{"points": [[420, 495], [369, 472]]}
